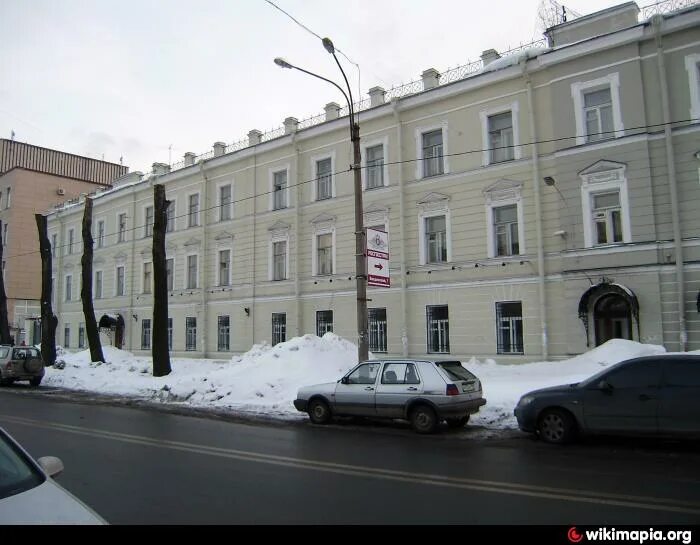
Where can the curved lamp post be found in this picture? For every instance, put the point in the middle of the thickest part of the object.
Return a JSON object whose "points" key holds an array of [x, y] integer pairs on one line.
{"points": [[360, 263]]}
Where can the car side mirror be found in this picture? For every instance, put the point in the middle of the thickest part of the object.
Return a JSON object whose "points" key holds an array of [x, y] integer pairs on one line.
{"points": [[344, 380], [605, 386], [51, 465]]}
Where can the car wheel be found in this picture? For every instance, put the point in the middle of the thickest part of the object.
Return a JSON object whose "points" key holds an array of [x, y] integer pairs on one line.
{"points": [[556, 426], [423, 419], [319, 412], [35, 381], [457, 422]]}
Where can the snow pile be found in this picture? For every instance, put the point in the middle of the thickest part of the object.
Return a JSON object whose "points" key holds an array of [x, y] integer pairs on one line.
{"points": [[514, 58], [265, 379]]}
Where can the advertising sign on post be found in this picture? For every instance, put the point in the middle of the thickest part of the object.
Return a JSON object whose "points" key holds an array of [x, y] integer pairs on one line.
{"points": [[378, 258]]}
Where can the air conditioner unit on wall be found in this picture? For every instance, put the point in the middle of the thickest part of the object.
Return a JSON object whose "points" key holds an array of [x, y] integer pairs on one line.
{"points": [[60, 191]]}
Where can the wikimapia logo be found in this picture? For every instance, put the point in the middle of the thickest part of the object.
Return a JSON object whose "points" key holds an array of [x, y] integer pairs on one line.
{"points": [[636, 536]]}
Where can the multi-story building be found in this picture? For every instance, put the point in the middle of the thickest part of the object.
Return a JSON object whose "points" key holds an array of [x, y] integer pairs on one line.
{"points": [[33, 178], [537, 203]]}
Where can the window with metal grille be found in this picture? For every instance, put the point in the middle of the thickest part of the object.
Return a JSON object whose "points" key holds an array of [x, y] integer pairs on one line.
{"points": [[225, 203], [433, 164], [193, 211], [324, 182], [375, 166], [170, 333], [148, 222], [190, 333], [120, 281], [170, 217], [279, 190], [505, 226], [509, 327], [121, 222], [81, 335], [98, 284], [191, 271], [607, 217], [145, 334], [279, 260], [279, 327], [224, 333], [224, 267], [324, 254], [66, 336], [597, 109], [501, 137], [436, 239], [169, 265], [377, 329], [324, 322], [100, 234], [438, 329]]}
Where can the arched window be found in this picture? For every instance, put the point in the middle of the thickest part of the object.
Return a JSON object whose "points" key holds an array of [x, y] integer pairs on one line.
{"points": [[612, 316]]}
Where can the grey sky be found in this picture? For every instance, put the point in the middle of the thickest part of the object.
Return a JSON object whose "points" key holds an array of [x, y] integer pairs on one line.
{"points": [[132, 77]]}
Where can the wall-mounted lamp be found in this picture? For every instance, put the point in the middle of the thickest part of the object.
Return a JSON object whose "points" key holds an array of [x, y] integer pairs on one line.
{"points": [[561, 233], [548, 180], [135, 317], [247, 311], [697, 155]]}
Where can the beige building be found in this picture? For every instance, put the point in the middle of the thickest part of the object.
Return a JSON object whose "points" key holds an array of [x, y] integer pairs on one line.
{"points": [[537, 203], [32, 179]]}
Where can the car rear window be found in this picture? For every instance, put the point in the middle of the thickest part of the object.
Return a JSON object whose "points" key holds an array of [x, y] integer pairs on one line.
{"points": [[455, 370], [16, 474], [4, 352]]}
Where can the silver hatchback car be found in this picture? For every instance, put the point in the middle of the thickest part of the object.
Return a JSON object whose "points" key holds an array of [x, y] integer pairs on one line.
{"points": [[424, 392]]}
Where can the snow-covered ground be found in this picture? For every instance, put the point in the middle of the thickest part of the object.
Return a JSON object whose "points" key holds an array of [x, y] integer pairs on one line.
{"points": [[265, 380]]}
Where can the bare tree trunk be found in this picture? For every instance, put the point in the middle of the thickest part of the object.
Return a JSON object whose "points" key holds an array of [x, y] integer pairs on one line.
{"points": [[49, 322], [160, 351], [93, 333], [4, 323]]}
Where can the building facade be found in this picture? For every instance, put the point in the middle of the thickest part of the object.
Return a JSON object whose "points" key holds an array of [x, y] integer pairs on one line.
{"points": [[33, 178], [537, 204]]}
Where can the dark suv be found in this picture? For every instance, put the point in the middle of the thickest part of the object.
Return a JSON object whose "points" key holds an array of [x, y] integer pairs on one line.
{"points": [[654, 395], [20, 363]]}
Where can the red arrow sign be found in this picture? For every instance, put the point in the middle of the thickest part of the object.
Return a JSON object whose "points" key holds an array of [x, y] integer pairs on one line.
{"points": [[378, 266]]}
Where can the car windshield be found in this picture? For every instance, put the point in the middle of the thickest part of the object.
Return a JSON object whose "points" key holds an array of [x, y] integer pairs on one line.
{"points": [[16, 473], [455, 370]]}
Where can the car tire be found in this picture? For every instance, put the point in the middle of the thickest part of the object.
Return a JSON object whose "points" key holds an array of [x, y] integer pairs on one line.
{"points": [[35, 381], [319, 412], [556, 426], [423, 419], [457, 422]]}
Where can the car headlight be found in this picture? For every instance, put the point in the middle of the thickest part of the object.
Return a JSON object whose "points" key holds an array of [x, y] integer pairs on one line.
{"points": [[525, 400]]}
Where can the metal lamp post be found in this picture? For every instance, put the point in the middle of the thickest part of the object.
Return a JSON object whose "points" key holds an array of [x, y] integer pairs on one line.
{"points": [[360, 262]]}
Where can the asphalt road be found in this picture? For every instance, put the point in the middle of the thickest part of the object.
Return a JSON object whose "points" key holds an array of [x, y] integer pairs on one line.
{"points": [[147, 466]]}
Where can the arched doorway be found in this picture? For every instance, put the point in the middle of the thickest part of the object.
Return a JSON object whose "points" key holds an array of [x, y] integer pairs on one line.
{"points": [[612, 316], [113, 326]]}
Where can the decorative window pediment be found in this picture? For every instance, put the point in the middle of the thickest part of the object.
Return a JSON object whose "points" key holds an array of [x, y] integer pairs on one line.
{"points": [[603, 171], [433, 202], [121, 257], [503, 190], [192, 242], [98, 261], [323, 222], [376, 214], [279, 226]]}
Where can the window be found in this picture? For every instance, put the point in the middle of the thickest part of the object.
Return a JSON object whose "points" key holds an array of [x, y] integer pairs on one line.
{"points": [[438, 328], [145, 334], [98, 284], [100, 234], [54, 244], [682, 374], [364, 374], [436, 239], [120, 282], [191, 271], [324, 179], [190, 333], [225, 203], [279, 189], [69, 287], [170, 333], [324, 254], [71, 238], [324, 322], [279, 256], [148, 222], [170, 217], [640, 375], [193, 211], [509, 327], [223, 338], [500, 128], [432, 154], [169, 265], [121, 222], [4, 234], [9, 198], [505, 227], [377, 329], [66, 336], [147, 277], [692, 66], [607, 217], [279, 327], [81, 335], [375, 166], [224, 267], [400, 373], [597, 109]]}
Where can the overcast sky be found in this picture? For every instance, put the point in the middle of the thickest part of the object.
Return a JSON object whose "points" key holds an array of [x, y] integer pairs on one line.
{"points": [[131, 78]]}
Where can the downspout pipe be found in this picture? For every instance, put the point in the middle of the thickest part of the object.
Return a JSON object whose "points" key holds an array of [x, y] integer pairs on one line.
{"points": [[541, 293], [657, 22], [402, 232], [294, 175], [203, 276]]}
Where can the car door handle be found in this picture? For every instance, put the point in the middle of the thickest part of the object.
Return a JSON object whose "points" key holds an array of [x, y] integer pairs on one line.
{"points": [[412, 389], [644, 397], [369, 388]]}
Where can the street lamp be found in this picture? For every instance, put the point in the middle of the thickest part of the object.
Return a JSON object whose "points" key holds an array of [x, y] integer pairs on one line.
{"points": [[360, 263]]}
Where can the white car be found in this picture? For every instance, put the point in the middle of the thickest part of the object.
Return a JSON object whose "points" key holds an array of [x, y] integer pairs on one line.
{"points": [[28, 493]]}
